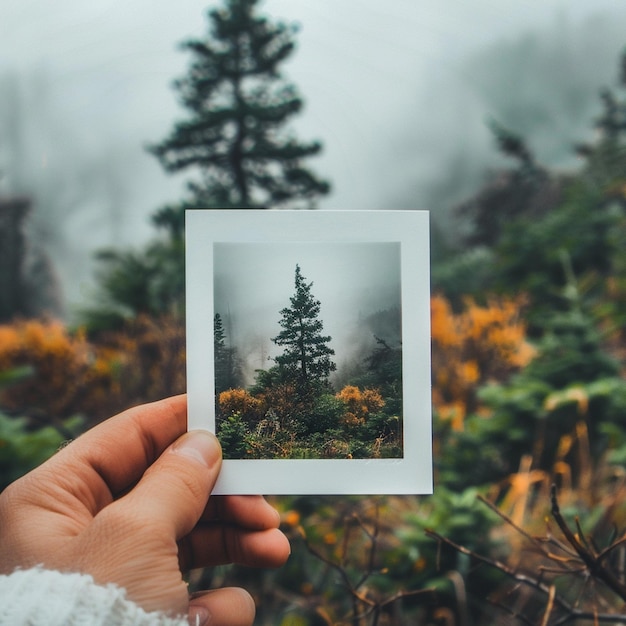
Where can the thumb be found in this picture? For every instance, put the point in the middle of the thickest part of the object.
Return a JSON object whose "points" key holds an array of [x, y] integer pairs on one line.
{"points": [[174, 491]]}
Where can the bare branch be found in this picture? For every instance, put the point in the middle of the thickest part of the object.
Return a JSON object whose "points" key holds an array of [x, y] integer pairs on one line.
{"points": [[593, 563], [546, 615], [503, 567]]}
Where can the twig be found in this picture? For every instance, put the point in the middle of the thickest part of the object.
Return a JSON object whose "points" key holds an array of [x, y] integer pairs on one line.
{"points": [[509, 521], [503, 567], [536, 541], [594, 564], [363, 605], [549, 606], [570, 613]]}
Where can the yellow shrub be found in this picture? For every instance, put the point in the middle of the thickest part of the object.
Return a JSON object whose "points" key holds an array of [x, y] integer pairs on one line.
{"points": [[472, 347], [71, 375], [61, 362], [359, 403], [239, 401]]}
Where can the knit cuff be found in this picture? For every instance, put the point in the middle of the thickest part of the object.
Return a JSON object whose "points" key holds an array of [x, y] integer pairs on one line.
{"points": [[39, 597]]}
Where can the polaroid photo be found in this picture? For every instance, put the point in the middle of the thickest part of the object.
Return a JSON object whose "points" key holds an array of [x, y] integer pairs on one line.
{"points": [[308, 349]]}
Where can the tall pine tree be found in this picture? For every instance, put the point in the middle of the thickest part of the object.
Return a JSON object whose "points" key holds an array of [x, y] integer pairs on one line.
{"points": [[306, 358], [227, 364], [238, 105], [221, 356]]}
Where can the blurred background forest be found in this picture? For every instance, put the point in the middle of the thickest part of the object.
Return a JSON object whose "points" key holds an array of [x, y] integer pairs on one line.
{"points": [[506, 120]]}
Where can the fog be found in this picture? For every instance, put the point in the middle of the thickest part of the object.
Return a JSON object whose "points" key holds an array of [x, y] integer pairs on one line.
{"points": [[353, 282], [398, 92]]}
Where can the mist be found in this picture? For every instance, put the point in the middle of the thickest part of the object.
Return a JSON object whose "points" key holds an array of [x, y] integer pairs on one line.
{"points": [[541, 82], [358, 286], [398, 93]]}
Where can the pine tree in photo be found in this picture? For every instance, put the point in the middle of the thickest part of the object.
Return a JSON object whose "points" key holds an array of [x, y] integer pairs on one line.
{"points": [[228, 374], [221, 355], [306, 358], [238, 105]]}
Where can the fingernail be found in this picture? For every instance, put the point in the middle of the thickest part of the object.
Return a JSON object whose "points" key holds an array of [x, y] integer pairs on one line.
{"points": [[198, 616], [199, 445]]}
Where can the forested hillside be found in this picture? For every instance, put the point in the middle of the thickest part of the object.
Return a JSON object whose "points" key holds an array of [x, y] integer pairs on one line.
{"points": [[527, 521]]}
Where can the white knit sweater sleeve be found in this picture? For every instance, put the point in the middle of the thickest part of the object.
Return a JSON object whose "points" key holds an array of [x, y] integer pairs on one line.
{"points": [[39, 597]]}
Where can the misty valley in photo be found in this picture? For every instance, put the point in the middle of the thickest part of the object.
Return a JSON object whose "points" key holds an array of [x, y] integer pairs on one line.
{"points": [[307, 350]]}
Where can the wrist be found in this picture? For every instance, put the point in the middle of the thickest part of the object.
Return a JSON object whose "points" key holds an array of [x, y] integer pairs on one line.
{"points": [[40, 597]]}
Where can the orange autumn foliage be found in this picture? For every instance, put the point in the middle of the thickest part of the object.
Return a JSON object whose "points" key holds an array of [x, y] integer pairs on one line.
{"points": [[71, 375], [477, 345], [65, 368], [239, 401], [359, 403]]}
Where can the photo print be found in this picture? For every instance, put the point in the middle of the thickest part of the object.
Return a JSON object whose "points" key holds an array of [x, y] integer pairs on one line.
{"points": [[308, 348]]}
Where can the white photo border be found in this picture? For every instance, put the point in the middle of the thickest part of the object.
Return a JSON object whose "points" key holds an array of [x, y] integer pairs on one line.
{"points": [[412, 474]]}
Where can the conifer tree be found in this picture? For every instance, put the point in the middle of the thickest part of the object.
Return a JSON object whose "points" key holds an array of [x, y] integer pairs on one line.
{"points": [[306, 359], [238, 105], [227, 365], [220, 355]]}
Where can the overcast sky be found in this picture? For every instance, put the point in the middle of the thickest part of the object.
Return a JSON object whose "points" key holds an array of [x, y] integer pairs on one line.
{"points": [[389, 89]]}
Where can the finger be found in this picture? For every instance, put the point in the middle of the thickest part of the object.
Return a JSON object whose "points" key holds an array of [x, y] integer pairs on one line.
{"points": [[112, 456], [250, 512], [174, 491], [227, 607], [211, 545]]}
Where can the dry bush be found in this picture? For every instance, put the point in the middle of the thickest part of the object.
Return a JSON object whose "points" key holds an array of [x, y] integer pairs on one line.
{"points": [[478, 345], [71, 375]]}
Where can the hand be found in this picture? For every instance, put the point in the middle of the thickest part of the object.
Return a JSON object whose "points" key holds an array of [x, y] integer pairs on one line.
{"points": [[128, 503]]}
